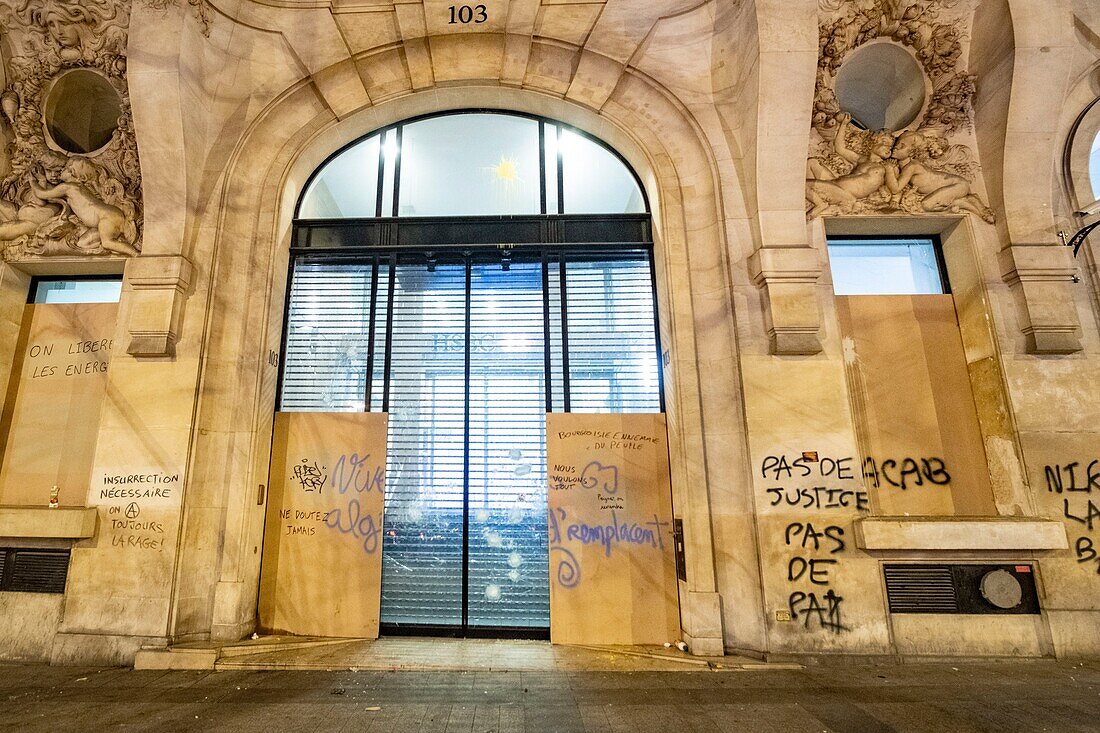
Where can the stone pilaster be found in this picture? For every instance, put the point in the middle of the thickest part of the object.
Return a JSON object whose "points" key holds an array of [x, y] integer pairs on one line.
{"points": [[1040, 276], [788, 276]]}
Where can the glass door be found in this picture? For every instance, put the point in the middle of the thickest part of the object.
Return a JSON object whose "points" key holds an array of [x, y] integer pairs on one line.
{"points": [[465, 542], [467, 351]]}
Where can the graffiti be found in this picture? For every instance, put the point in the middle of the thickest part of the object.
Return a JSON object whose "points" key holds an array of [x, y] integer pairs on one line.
{"points": [[779, 467], [1070, 481], [350, 521], [898, 473], [352, 472], [814, 547], [1086, 552], [819, 497], [300, 520], [906, 473], [598, 476], [609, 535], [309, 477], [807, 608], [811, 538], [568, 571]]}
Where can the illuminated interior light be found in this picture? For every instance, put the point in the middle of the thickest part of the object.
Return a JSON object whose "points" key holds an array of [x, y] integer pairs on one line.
{"points": [[507, 169]]}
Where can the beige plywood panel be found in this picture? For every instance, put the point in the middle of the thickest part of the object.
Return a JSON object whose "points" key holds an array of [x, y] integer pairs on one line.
{"points": [[914, 405], [612, 561], [322, 563], [51, 415]]}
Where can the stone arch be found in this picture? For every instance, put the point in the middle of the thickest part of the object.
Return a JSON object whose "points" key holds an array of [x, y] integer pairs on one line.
{"points": [[1043, 47], [230, 451], [991, 60], [1079, 127], [1025, 53]]}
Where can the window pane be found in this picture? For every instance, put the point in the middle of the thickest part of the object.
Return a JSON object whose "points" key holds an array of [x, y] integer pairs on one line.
{"points": [[509, 582], [77, 291], [390, 149], [1094, 166], [347, 186], [328, 337], [550, 142], [469, 165], [422, 551], [612, 340], [885, 267], [596, 181]]}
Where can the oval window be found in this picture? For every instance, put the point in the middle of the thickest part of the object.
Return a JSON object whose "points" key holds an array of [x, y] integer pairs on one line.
{"points": [[881, 85], [82, 111]]}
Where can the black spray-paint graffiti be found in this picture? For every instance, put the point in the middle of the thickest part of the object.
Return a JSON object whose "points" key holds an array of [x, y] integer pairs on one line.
{"points": [[1071, 480], [310, 477], [808, 607], [812, 601], [901, 473], [809, 465], [905, 473]]}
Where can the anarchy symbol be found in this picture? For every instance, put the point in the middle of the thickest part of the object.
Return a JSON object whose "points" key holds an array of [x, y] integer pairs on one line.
{"points": [[132, 510]]}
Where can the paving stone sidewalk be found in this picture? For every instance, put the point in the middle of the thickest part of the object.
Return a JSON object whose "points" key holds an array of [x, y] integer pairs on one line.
{"points": [[1060, 697]]}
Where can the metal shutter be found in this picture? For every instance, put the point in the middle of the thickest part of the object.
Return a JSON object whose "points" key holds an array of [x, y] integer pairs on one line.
{"points": [[459, 345]]}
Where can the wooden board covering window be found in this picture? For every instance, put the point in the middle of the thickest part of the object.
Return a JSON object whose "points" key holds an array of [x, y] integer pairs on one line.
{"points": [[612, 562], [50, 421], [910, 389], [322, 563]]}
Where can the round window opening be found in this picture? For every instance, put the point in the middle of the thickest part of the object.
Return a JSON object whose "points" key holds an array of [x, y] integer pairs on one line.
{"points": [[82, 111], [881, 86]]}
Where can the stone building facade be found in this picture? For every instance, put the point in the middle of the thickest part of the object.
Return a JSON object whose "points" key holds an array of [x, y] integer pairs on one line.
{"points": [[824, 452]]}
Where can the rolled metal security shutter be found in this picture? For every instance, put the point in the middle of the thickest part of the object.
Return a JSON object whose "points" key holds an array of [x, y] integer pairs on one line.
{"points": [[459, 345], [335, 329]]}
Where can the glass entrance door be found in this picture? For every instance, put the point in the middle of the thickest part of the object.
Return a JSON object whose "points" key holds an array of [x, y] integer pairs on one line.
{"points": [[467, 351], [465, 541]]}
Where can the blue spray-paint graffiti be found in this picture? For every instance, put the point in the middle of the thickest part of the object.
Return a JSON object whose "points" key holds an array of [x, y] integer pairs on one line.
{"points": [[568, 571], [610, 536], [617, 533], [351, 472], [598, 476], [350, 521]]}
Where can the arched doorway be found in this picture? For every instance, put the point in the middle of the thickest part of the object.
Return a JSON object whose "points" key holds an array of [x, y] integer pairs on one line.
{"points": [[468, 273]]}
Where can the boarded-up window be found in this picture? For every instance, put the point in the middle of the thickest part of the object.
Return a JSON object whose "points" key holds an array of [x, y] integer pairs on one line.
{"points": [[51, 412], [908, 381]]}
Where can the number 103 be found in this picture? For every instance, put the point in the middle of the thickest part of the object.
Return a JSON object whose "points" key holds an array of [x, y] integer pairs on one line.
{"points": [[467, 14]]}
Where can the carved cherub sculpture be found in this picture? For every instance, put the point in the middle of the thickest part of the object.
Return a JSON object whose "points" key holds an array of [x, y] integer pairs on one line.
{"points": [[28, 216], [108, 226], [917, 154], [829, 192]]}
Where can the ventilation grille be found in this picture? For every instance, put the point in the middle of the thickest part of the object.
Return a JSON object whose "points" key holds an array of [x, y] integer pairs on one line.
{"points": [[920, 589], [33, 571], [956, 588]]}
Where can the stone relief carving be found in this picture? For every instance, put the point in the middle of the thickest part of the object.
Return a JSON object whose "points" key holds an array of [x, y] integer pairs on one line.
{"points": [[204, 12], [854, 171], [53, 202]]}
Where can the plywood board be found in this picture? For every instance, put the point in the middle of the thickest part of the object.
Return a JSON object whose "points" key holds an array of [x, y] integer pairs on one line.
{"points": [[911, 388], [51, 415], [612, 561], [322, 563]]}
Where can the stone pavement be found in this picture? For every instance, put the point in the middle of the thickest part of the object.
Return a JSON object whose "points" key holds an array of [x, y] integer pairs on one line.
{"points": [[855, 697]]}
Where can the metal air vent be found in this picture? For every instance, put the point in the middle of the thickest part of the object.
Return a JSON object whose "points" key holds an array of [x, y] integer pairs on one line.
{"points": [[33, 571], [970, 589], [920, 589]]}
